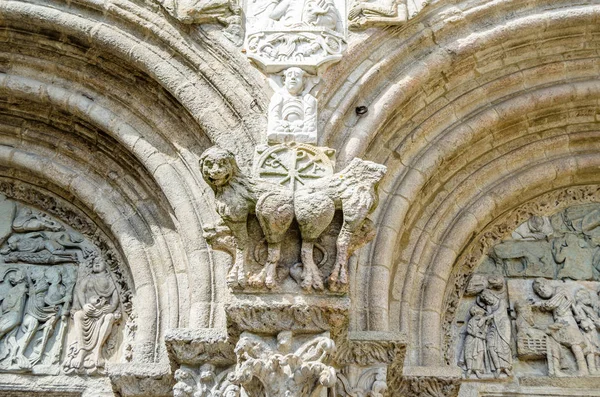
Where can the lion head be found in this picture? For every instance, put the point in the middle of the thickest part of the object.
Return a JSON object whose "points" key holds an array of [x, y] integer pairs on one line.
{"points": [[218, 166]]}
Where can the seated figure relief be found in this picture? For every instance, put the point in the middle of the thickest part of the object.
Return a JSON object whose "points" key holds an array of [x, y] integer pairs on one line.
{"points": [[292, 110], [96, 308]]}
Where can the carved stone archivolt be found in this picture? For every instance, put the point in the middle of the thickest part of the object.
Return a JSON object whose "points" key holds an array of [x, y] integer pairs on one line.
{"points": [[534, 297], [62, 308]]}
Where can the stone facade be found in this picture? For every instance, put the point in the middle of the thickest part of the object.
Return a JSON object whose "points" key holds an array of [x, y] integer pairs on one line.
{"points": [[299, 198]]}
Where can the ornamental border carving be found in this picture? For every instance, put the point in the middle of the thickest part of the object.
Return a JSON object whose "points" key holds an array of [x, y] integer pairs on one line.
{"points": [[545, 204]]}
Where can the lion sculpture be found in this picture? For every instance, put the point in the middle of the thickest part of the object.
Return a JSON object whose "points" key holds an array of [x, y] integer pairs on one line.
{"points": [[353, 190]]}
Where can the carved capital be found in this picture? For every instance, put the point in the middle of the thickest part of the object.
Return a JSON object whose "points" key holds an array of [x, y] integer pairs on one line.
{"points": [[285, 365], [427, 382], [370, 348], [195, 347], [271, 314]]}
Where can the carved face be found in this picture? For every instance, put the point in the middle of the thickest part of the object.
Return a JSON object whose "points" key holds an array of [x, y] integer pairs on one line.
{"points": [[582, 296], [53, 275], [232, 391], [477, 311], [543, 288], [217, 166], [294, 80], [98, 266], [16, 277], [488, 297]]}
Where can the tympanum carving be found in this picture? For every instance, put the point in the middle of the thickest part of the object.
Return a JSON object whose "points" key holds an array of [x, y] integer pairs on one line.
{"points": [[548, 264], [49, 292]]}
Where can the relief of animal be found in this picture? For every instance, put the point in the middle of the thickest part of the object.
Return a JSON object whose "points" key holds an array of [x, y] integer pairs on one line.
{"points": [[352, 190]]}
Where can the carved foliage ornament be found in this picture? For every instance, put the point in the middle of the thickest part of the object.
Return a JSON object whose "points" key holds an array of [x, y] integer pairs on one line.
{"points": [[59, 301], [282, 367]]}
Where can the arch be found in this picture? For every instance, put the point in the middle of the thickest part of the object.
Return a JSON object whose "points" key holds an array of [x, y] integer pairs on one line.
{"points": [[475, 108], [108, 107]]}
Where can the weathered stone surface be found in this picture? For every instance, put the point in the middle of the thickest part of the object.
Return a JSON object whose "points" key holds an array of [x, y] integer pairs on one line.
{"points": [[484, 113]]}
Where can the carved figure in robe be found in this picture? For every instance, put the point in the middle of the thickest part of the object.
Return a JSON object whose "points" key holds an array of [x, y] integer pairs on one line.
{"points": [[589, 323], [292, 112], [499, 332], [353, 190], [13, 295], [31, 220], [475, 349], [564, 331], [30, 247], [46, 295], [390, 12], [96, 308]]}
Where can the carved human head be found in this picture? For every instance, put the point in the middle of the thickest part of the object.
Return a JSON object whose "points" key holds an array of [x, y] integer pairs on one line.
{"points": [[488, 297], [583, 296], [98, 265], [543, 288], [217, 166], [207, 372], [182, 375], [477, 311], [232, 391], [293, 80], [16, 277], [52, 274]]}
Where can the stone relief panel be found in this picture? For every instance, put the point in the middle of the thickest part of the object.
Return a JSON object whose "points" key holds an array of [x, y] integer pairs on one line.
{"points": [[304, 33], [367, 13], [227, 13], [532, 306], [60, 306]]}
